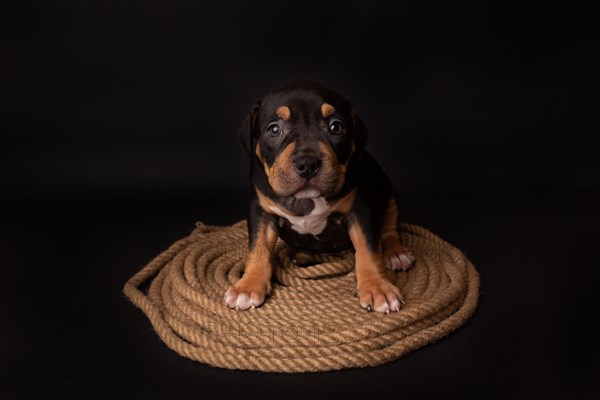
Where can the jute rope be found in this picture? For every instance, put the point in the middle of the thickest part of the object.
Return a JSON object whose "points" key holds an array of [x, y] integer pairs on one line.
{"points": [[312, 322]]}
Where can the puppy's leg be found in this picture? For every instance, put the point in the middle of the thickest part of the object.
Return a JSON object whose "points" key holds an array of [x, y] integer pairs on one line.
{"points": [[255, 284], [374, 290], [395, 256]]}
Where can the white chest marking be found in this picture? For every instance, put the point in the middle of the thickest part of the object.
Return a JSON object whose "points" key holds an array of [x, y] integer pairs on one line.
{"points": [[313, 223]]}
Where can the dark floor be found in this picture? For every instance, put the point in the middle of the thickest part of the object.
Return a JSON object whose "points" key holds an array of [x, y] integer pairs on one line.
{"points": [[68, 331]]}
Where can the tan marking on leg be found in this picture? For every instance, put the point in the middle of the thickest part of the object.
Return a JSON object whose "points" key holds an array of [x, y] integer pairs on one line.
{"points": [[284, 113], [369, 264], [327, 109], [250, 291], [395, 256], [389, 227], [375, 291]]}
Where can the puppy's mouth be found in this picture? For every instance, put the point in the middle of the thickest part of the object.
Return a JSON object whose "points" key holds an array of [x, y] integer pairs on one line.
{"points": [[308, 192], [322, 185], [306, 175]]}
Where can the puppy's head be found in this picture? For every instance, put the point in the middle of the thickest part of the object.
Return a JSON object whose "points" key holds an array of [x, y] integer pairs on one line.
{"points": [[303, 136]]}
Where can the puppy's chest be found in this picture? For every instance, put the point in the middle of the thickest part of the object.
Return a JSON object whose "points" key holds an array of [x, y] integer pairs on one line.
{"points": [[313, 223], [320, 230]]}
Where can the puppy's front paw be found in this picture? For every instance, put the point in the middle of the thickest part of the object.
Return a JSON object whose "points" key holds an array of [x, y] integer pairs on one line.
{"points": [[247, 293], [397, 258], [380, 295]]}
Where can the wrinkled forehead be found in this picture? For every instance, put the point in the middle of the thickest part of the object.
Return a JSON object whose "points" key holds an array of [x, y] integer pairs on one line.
{"points": [[301, 103]]}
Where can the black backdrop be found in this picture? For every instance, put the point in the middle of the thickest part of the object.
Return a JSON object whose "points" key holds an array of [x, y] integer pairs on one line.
{"points": [[147, 96], [118, 131]]}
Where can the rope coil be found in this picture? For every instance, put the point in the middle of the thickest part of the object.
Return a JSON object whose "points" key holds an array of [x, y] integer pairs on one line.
{"points": [[312, 322]]}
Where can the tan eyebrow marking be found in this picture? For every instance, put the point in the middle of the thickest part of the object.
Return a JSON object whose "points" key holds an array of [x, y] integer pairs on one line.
{"points": [[284, 113], [327, 109]]}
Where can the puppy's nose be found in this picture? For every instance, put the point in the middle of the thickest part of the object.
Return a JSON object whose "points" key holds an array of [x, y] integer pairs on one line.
{"points": [[307, 167]]}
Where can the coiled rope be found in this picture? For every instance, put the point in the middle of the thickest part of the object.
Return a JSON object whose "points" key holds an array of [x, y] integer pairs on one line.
{"points": [[312, 322]]}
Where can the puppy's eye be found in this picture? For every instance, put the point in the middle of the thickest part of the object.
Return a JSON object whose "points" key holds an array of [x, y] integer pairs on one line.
{"points": [[274, 130], [336, 127]]}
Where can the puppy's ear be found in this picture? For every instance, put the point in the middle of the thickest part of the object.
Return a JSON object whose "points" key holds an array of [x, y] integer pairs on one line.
{"points": [[246, 133], [360, 131]]}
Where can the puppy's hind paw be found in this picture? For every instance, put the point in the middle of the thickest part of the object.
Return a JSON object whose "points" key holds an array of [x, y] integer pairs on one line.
{"points": [[399, 261]]}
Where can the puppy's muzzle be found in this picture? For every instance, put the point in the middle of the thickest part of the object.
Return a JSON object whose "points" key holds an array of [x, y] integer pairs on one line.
{"points": [[307, 166]]}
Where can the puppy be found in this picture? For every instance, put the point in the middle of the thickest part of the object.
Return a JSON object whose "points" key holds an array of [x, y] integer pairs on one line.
{"points": [[316, 187]]}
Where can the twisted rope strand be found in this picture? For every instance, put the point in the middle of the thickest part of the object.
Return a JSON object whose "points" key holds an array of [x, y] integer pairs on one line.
{"points": [[311, 322]]}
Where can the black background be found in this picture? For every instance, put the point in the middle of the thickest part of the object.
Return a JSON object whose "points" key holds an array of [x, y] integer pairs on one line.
{"points": [[118, 132]]}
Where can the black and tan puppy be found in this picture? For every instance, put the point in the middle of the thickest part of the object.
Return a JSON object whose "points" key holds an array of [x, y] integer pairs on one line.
{"points": [[315, 187]]}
